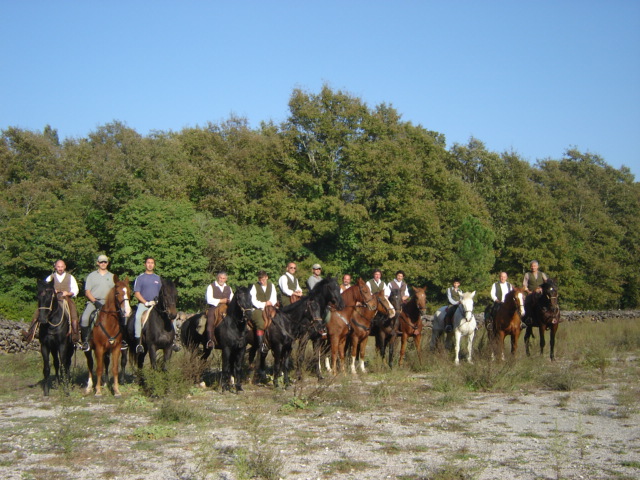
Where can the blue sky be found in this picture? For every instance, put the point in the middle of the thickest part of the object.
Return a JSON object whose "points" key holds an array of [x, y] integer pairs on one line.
{"points": [[533, 77]]}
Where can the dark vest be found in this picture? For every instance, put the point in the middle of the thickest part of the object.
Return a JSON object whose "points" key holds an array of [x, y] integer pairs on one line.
{"points": [[292, 284], [64, 285], [263, 296], [376, 288], [536, 282], [499, 290], [220, 294], [457, 296], [395, 288]]}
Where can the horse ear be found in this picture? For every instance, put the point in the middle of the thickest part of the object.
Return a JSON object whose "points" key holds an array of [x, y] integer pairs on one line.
{"points": [[473, 294], [115, 279]]}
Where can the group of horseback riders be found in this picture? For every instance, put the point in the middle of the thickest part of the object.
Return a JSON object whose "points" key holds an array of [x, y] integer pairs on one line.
{"points": [[263, 293], [97, 286]]}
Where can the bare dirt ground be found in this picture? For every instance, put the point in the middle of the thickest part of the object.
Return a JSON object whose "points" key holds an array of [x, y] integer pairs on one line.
{"points": [[408, 424]]}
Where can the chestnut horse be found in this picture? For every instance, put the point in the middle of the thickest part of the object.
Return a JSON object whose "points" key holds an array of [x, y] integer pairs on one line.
{"points": [[106, 336], [410, 321], [385, 329], [339, 325], [545, 314], [506, 321], [361, 327]]}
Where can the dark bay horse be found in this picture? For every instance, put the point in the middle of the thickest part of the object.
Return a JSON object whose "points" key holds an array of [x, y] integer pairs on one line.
{"points": [[54, 334], [385, 328], [361, 322], [506, 322], [106, 336], [544, 312], [326, 294], [158, 332], [339, 325], [301, 318], [231, 338], [410, 321]]}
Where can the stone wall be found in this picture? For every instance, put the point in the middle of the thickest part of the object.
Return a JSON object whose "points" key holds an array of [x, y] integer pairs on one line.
{"points": [[11, 337]]}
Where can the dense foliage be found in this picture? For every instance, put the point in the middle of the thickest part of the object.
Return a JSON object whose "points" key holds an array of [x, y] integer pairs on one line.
{"points": [[339, 182]]}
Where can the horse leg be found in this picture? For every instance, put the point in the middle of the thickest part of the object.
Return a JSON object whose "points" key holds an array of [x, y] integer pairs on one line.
{"points": [[514, 342], [417, 341], [114, 371], [362, 351], [237, 368], [89, 357], [552, 339], [470, 345], [99, 369], [458, 337], [123, 366], [46, 368], [501, 336], [354, 353], [168, 351], [527, 337], [152, 356], [403, 348], [543, 329]]}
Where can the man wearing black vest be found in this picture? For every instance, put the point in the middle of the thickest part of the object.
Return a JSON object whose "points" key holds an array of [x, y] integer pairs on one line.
{"points": [[399, 285], [454, 295], [218, 293], [289, 285], [263, 294], [532, 283], [498, 291]]}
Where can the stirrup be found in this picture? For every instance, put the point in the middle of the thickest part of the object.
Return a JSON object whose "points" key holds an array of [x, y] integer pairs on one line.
{"points": [[85, 347], [139, 349], [175, 347], [124, 345], [210, 344]]}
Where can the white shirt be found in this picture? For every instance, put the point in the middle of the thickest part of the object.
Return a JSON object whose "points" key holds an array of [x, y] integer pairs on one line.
{"points": [[215, 301], [72, 282], [504, 287], [406, 288], [257, 303], [385, 287], [283, 283]]}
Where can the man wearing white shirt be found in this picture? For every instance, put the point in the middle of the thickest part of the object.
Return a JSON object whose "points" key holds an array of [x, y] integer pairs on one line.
{"points": [[398, 284], [218, 293], [263, 294], [67, 289], [376, 284], [289, 285]]}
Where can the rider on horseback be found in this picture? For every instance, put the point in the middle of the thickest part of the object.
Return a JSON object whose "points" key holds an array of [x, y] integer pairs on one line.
{"points": [[263, 293], [147, 286], [66, 289], [454, 295], [289, 286], [532, 283], [399, 285], [96, 288], [498, 291], [218, 293]]}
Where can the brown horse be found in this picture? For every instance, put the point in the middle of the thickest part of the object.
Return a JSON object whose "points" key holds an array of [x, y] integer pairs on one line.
{"points": [[506, 321], [545, 314], [361, 327], [339, 324], [106, 336], [410, 321]]}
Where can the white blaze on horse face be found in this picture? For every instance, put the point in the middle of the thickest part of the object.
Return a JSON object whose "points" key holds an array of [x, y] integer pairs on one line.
{"points": [[127, 307], [520, 296]]}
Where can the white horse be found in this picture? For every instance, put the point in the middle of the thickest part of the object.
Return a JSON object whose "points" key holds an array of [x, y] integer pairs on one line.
{"points": [[464, 325]]}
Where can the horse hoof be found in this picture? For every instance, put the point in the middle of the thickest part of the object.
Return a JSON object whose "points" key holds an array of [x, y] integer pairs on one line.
{"points": [[117, 395], [98, 394]]}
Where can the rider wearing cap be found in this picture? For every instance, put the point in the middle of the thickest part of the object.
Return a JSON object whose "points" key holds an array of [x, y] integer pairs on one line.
{"points": [[96, 288]]}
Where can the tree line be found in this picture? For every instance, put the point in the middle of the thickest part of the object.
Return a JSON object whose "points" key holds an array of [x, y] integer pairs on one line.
{"points": [[340, 183]]}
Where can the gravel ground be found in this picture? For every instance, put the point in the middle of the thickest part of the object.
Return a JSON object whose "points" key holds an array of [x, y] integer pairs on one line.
{"points": [[581, 434]]}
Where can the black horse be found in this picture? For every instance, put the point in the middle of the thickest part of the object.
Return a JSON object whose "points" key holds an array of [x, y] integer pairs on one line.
{"points": [[542, 311], [292, 322], [190, 336], [54, 334], [385, 329], [326, 294], [231, 338], [158, 332]]}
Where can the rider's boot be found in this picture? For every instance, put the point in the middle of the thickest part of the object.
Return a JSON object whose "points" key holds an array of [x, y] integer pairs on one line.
{"points": [[84, 334], [75, 335]]}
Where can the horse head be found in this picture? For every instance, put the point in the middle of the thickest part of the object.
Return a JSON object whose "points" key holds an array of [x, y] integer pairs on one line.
{"points": [[122, 296], [167, 299], [519, 294], [384, 305], [420, 295], [466, 303], [550, 294], [243, 302], [332, 293], [362, 293], [47, 303]]}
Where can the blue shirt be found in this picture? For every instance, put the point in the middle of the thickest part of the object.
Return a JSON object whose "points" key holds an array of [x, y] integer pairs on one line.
{"points": [[148, 284]]}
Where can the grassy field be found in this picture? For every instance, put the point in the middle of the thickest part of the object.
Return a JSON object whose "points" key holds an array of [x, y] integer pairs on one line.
{"points": [[408, 423]]}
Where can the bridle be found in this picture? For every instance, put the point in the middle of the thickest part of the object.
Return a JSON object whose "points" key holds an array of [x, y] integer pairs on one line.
{"points": [[52, 310]]}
